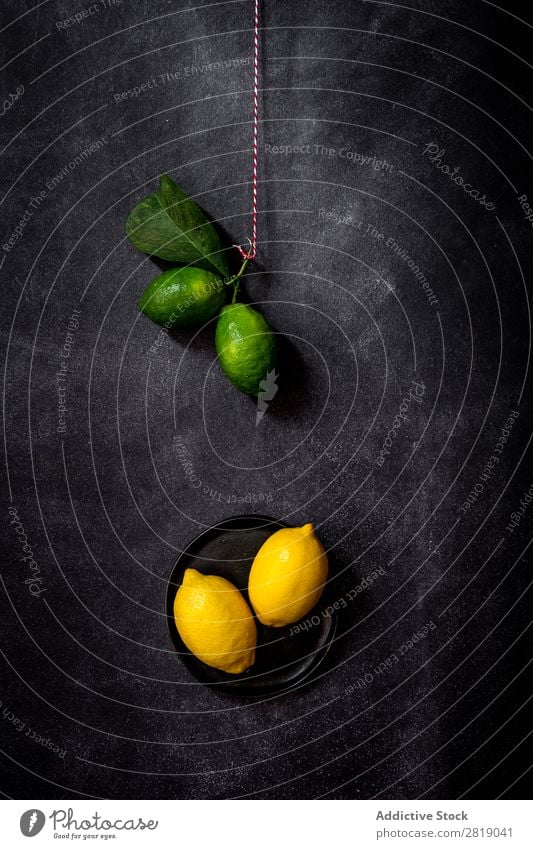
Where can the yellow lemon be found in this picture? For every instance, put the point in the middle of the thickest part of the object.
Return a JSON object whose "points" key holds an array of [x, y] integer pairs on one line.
{"points": [[215, 622], [287, 576]]}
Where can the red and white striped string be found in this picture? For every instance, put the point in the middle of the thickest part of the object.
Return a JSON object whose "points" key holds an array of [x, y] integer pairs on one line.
{"points": [[251, 253]]}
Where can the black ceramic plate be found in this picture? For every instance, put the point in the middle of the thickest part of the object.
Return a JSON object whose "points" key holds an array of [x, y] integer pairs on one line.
{"points": [[283, 659]]}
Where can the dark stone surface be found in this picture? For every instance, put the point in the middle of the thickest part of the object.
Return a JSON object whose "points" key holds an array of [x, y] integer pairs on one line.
{"points": [[106, 505]]}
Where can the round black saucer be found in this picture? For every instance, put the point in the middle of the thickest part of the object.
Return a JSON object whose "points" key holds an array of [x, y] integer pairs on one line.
{"points": [[285, 656]]}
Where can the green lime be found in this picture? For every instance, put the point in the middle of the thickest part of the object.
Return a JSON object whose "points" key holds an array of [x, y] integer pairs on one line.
{"points": [[183, 297], [246, 347]]}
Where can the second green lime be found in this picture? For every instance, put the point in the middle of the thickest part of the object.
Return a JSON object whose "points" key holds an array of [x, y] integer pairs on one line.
{"points": [[246, 347], [183, 297]]}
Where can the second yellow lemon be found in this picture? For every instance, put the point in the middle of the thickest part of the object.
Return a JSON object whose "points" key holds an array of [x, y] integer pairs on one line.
{"points": [[287, 576], [215, 622]]}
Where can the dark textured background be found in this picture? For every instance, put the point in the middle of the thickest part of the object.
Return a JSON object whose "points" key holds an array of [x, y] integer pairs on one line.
{"points": [[107, 504]]}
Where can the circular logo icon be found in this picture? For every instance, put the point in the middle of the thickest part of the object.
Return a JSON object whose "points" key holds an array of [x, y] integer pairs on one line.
{"points": [[32, 822]]}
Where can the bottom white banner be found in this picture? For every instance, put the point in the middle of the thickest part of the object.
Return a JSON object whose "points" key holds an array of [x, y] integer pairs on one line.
{"points": [[267, 824]]}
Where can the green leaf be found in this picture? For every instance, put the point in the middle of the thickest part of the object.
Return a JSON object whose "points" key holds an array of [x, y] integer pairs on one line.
{"points": [[170, 225]]}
